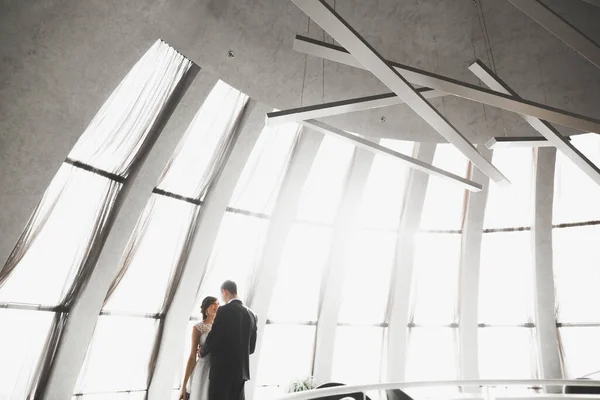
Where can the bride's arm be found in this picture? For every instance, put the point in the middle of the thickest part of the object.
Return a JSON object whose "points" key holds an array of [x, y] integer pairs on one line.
{"points": [[191, 363]]}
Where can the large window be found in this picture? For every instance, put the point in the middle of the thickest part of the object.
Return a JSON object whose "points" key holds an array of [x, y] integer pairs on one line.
{"points": [[358, 354], [368, 270], [435, 289], [506, 279], [444, 203], [53, 258], [157, 250], [506, 288]]}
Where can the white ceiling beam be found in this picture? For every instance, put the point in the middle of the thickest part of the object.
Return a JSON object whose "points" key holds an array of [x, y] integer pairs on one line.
{"points": [[326, 17], [379, 149], [560, 28], [456, 88], [544, 128], [343, 107], [502, 142]]}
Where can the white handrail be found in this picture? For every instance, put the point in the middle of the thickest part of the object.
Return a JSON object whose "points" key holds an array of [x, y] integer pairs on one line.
{"points": [[313, 394]]}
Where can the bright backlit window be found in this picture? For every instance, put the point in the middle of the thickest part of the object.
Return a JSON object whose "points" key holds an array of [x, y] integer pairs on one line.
{"points": [[581, 350], [444, 202], [358, 353], [435, 289], [368, 269], [576, 272], [506, 278], [576, 196], [297, 290], [511, 207], [324, 186], [383, 195], [507, 353], [286, 354]]}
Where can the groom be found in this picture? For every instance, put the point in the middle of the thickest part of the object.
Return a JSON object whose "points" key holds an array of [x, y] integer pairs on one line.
{"points": [[230, 343]]}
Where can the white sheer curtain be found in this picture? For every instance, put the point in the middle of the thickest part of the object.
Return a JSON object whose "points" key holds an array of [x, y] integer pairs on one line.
{"points": [[157, 250], [259, 183], [111, 143], [158, 246], [55, 254], [202, 150], [114, 137]]}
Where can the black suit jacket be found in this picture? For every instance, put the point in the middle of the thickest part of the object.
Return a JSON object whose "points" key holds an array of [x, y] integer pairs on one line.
{"points": [[231, 341]]}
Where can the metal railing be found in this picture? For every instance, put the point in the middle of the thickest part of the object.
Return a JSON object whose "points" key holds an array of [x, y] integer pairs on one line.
{"points": [[478, 383]]}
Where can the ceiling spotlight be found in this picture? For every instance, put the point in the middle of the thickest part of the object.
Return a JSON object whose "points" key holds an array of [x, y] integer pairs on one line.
{"points": [[382, 120], [230, 54]]}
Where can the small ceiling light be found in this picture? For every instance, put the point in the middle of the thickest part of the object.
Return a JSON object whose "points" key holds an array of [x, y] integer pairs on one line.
{"points": [[382, 120], [230, 54]]}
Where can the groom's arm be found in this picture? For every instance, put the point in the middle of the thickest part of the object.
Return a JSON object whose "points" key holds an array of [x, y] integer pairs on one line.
{"points": [[216, 334], [253, 336]]}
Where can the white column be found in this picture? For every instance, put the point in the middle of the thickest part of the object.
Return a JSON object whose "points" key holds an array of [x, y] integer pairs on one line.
{"points": [[84, 312], [282, 219], [545, 318], [209, 222], [403, 269], [332, 284], [468, 310]]}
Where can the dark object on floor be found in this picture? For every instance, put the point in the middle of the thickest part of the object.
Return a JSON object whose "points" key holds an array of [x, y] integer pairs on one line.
{"points": [[356, 396], [581, 389], [397, 394]]}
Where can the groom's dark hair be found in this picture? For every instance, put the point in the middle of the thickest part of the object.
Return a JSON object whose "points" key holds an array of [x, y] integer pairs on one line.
{"points": [[230, 286]]}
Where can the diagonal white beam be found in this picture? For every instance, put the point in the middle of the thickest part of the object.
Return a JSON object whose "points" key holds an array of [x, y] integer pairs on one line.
{"points": [[560, 28], [379, 149], [343, 107], [498, 142], [326, 17], [543, 127], [456, 88]]}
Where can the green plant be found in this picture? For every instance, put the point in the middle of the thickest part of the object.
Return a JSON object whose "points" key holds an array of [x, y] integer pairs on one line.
{"points": [[301, 385]]}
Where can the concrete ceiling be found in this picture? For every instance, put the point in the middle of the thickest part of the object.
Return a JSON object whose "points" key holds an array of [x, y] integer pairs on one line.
{"points": [[52, 47]]}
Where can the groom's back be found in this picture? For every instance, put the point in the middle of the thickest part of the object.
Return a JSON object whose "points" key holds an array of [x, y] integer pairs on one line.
{"points": [[232, 358]]}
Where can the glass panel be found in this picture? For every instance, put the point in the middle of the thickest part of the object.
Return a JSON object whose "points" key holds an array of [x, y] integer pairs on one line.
{"points": [[383, 196], [432, 356], [507, 353], [235, 254], [581, 350], [259, 183], [322, 192], [576, 259], [48, 268], [510, 207], [576, 197], [296, 293], [286, 354], [357, 356], [437, 262], [203, 146], [119, 355], [154, 262], [22, 338], [506, 278], [444, 202], [368, 268]]}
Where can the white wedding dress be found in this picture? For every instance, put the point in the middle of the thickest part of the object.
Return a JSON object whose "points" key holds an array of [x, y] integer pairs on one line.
{"points": [[198, 382]]}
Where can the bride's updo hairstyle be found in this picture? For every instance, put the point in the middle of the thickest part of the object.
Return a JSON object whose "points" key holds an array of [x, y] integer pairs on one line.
{"points": [[207, 302]]}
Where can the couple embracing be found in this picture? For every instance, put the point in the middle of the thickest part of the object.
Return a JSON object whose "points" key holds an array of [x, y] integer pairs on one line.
{"points": [[219, 361]]}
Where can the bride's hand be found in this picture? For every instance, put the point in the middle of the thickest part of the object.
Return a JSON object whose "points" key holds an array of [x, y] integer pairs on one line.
{"points": [[182, 396]]}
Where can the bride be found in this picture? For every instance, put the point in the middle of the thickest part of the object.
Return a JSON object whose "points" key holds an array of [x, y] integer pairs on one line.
{"points": [[198, 369]]}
